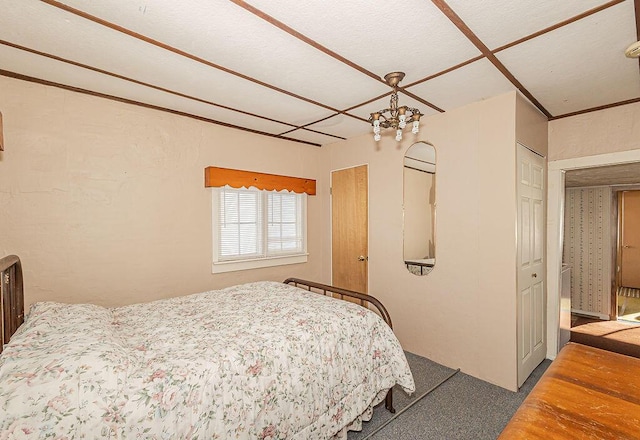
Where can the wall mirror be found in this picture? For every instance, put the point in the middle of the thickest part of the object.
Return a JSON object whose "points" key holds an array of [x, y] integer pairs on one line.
{"points": [[419, 206]]}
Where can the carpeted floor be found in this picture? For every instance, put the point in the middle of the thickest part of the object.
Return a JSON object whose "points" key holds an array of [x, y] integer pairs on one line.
{"points": [[461, 408]]}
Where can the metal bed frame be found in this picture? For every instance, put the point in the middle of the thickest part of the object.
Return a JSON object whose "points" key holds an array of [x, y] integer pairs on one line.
{"points": [[365, 299], [12, 302], [11, 297]]}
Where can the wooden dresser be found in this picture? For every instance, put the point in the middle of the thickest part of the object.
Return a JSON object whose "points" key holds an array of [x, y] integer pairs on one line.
{"points": [[586, 393]]}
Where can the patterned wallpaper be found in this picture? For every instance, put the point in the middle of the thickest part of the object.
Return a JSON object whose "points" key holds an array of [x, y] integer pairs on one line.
{"points": [[588, 248]]}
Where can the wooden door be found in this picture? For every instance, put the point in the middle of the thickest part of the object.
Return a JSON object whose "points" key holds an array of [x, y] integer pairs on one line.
{"points": [[531, 299], [630, 239], [349, 228]]}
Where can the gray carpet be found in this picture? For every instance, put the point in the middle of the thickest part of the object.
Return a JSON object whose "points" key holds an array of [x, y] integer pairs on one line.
{"points": [[461, 408]]}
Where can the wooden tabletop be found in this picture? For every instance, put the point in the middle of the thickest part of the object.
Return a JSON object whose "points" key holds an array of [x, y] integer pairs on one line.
{"points": [[586, 393]]}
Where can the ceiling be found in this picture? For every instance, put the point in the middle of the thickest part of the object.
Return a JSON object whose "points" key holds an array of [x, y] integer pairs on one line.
{"points": [[310, 71], [610, 175]]}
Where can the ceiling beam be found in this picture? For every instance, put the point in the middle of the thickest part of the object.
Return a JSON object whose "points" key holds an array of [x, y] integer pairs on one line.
{"points": [[442, 72], [305, 128], [466, 30], [289, 30], [595, 109], [175, 93], [280, 25], [177, 51], [419, 99], [135, 81], [22, 77]]}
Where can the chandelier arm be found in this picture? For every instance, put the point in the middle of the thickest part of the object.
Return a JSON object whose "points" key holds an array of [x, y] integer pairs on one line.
{"points": [[380, 114], [413, 110]]}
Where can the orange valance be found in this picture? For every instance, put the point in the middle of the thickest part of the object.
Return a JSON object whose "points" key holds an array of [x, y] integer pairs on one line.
{"points": [[215, 177]]}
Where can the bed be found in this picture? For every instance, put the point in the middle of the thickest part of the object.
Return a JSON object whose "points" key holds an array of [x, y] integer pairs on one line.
{"points": [[420, 267], [586, 393], [263, 360]]}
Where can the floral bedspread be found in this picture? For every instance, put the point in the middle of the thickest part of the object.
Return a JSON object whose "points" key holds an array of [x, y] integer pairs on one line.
{"points": [[256, 361]]}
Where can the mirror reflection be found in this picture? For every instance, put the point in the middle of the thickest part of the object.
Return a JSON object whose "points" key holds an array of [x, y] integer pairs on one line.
{"points": [[419, 208]]}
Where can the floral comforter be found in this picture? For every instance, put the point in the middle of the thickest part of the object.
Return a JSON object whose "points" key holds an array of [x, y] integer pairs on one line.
{"points": [[257, 361]]}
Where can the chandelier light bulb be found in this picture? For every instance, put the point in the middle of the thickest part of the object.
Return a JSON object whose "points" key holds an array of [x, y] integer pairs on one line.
{"points": [[416, 127], [376, 137], [399, 135], [402, 117]]}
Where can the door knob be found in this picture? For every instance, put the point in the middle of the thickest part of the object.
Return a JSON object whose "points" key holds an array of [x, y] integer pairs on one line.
{"points": [[362, 258], [534, 275], [626, 246]]}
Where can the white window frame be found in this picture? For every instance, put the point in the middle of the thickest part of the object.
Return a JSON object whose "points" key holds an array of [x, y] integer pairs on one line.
{"points": [[219, 266]]}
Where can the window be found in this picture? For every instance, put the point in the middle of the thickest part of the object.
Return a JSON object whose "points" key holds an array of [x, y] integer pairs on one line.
{"points": [[255, 228]]}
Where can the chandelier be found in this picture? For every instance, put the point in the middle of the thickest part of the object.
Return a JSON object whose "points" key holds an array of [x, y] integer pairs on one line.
{"points": [[395, 117]]}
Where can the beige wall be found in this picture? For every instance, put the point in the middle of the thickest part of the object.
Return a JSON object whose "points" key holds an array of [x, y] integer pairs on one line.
{"points": [[531, 126], [606, 131], [463, 313], [105, 202]]}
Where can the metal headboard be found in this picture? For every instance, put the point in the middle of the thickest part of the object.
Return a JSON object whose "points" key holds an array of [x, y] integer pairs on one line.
{"points": [[11, 297]]}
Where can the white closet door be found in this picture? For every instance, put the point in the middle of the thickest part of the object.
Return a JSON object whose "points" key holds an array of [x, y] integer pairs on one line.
{"points": [[531, 302]]}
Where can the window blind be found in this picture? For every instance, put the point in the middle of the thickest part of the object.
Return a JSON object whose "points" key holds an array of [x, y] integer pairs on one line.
{"points": [[257, 224], [285, 223]]}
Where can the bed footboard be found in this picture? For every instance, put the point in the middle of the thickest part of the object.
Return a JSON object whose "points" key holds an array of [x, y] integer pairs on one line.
{"points": [[11, 298], [325, 289]]}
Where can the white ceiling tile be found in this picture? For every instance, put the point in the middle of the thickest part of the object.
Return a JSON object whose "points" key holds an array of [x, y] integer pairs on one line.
{"points": [[224, 33], [76, 39], [343, 126], [415, 37], [586, 67], [498, 22], [24, 63], [570, 69], [473, 82], [312, 136]]}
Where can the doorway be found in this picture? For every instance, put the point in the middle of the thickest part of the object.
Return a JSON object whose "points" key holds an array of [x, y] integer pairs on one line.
{"points": [[628, 257], [555, 226], [350, 228]]}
